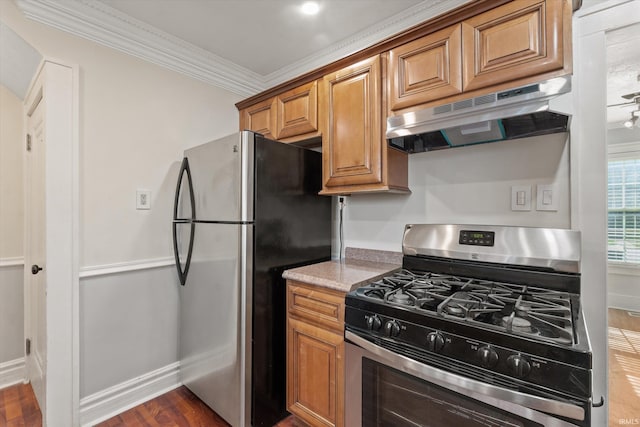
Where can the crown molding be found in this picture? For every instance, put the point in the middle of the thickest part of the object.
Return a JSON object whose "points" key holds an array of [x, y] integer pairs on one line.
{"points": [[102, 24], [95, 21], [393, 25]]}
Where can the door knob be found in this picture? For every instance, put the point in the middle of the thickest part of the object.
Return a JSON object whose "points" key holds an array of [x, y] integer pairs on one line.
{"points": [[35, 268]]}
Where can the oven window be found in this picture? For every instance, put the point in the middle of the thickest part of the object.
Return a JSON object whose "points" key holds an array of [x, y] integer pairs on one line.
{"points": [[393, 398]]}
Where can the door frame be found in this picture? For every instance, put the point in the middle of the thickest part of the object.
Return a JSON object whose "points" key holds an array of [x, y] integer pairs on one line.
{"points": [[58, 84], [589, 174]]}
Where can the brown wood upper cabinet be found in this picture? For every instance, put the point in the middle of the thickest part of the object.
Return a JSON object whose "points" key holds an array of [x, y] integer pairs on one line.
{"points": [[287, 117], [427, 68], [520, 40], [355, 156]]}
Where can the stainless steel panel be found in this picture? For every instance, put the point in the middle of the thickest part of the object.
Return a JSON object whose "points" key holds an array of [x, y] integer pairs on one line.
{"points": [[222, 174], [558, 249], [510, 401], [246, 320], [433, 119], [213, 320]]}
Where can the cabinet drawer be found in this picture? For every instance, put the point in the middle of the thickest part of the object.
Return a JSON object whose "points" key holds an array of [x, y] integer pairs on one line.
{"points": [[318, 306]]}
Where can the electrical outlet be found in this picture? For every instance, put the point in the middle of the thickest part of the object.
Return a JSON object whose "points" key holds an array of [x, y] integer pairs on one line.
{"points": [[143, 199]]}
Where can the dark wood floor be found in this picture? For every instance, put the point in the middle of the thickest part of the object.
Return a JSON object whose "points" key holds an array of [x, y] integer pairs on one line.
{"points": [[18, 407], [179, 408]]}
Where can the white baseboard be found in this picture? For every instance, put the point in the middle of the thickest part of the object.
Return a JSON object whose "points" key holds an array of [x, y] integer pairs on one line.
{"points": [[12, 372], [624, 302], [114, 400]]}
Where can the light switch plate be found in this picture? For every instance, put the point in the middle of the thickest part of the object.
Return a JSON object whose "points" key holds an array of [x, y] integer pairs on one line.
{"points": [[143, 199], [521, 198], [546, 198]]}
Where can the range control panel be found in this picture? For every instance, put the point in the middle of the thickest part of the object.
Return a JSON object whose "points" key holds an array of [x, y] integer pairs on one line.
{"points": [[477, 238], [422, 340]]}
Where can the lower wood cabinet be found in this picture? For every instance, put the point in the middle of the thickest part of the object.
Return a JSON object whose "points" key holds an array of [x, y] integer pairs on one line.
{"points": [[315, 354]]}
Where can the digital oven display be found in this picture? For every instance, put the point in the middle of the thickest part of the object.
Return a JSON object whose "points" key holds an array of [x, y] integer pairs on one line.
{"points": [[477, 238]]}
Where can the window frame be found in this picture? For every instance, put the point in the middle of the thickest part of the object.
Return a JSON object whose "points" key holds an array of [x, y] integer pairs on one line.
{"points": [[621, 151]]}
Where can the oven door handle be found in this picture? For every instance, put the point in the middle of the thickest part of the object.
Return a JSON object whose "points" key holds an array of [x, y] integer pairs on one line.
{"points": [[465, 385]]}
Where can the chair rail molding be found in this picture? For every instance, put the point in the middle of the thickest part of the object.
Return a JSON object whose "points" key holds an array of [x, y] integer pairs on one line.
{"points": [[11, 261], [124, 267]]}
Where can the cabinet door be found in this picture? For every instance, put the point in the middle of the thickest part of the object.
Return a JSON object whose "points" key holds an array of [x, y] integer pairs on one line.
{"points": [[520, 39], [315, 374], [426, 69], [352, 130], [260, 118], [297, 111]]}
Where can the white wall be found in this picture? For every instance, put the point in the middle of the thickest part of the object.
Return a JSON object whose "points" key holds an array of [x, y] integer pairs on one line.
{"points": [[11, 313], [11, 227], [135, 120], [129, 324], [466, 185], [11, 201]]}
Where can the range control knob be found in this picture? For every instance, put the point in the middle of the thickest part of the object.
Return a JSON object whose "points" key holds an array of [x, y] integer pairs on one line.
{"points": [[488, 357], [435, 342], [373, 322], [518, 365], [392, 328]]}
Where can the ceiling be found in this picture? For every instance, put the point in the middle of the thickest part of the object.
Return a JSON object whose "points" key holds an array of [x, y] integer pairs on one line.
{"points": [[623, 73], [247, 46], [265, 35], [244, 46]]}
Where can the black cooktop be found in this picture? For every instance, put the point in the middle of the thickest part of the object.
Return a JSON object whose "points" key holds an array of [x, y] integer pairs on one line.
{"points": [[533, 312]]}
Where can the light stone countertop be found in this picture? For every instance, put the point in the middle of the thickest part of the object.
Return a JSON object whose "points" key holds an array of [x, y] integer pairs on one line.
{"points": [[341, 275]]}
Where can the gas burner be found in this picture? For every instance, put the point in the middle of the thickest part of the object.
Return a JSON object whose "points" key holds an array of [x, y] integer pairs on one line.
{"points": [[529, 311], [517, 324], [400, 297]]}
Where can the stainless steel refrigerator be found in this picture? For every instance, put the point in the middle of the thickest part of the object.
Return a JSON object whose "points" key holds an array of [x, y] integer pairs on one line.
{"points": [[246, 208]]}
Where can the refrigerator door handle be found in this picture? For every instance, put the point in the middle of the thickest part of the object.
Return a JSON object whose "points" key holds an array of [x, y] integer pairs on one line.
{"points": [[184, 169], [182, 273]]}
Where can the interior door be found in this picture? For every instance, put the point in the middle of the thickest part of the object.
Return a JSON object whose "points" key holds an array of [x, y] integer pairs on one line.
{"points": [[35, 262]]}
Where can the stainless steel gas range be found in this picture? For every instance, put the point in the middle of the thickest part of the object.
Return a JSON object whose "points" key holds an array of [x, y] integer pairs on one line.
{"points": [[481, 327]]}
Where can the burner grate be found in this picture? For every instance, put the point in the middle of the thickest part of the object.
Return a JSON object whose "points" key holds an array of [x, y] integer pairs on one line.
{"points": [[528, 311]]}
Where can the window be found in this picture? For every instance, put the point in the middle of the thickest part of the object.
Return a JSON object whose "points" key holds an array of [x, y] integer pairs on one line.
{"points": [[624, 206]]}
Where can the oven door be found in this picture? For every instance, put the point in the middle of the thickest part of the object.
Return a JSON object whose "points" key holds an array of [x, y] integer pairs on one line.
{"points": [[387, 389]]}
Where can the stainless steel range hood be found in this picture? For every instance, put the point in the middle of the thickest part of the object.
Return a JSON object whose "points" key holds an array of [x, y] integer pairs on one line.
{"points": [[525, 111]]}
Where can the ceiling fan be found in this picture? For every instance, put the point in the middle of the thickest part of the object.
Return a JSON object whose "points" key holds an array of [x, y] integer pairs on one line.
{"points": [[634, 99]]}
